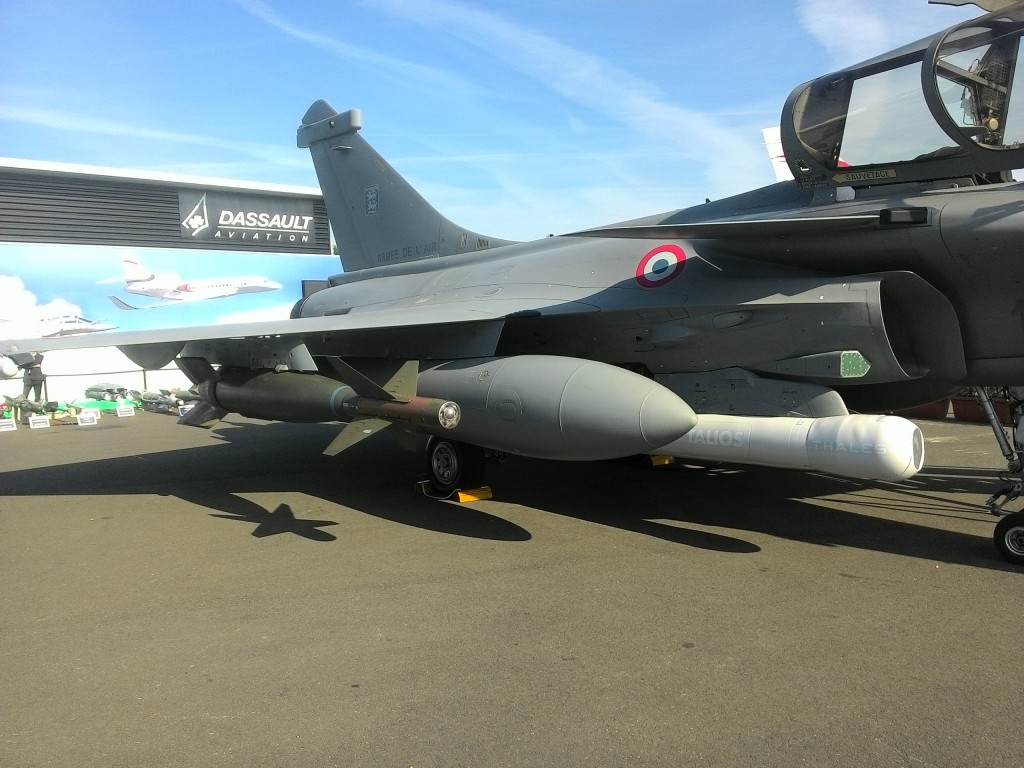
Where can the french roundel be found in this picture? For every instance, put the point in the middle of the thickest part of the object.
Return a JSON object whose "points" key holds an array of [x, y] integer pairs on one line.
{"points": [[660, 266]]}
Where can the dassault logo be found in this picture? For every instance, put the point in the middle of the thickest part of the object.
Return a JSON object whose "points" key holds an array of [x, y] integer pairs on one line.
{"points": [[198, 219], [226, 216], [289, 222]]}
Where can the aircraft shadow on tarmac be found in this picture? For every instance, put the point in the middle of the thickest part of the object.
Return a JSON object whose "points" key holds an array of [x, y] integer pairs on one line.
{"points": [[673, 503], [281, 520], [798, 506], [246, 458]]}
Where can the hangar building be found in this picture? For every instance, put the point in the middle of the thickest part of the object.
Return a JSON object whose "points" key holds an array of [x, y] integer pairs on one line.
{"points": [[58, 203]]}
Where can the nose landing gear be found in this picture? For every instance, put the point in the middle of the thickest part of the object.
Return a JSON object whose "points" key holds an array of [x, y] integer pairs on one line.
{"points": [[1009, 537]]}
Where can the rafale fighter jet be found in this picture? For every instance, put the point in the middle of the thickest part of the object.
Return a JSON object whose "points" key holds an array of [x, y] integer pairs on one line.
{"points": [[744, 330]]}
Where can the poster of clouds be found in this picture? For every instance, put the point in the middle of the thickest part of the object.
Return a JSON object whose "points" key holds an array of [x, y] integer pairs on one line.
{"points": [[50, 289]]}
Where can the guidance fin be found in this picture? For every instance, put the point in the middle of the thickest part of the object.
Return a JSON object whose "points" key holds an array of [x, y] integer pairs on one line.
{"points": [[354, 432], [400, 386], [203, 414]]}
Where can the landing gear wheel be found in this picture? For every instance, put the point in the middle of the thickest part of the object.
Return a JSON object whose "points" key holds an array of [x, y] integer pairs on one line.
{"points": [[1009, 537], [452, 465]]}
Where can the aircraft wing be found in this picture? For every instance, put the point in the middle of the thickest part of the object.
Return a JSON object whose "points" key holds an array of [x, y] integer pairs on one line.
{"points": [[469, 329]]}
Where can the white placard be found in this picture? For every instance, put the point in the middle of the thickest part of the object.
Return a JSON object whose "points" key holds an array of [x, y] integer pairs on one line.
{"points": [[125, 410], [87, 419], [94, 412], [38, 422], [185, 408], [8, 425]]}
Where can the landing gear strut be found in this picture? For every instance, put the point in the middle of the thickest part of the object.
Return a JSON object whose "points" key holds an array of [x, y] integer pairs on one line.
{"points": [[1009, 533]]}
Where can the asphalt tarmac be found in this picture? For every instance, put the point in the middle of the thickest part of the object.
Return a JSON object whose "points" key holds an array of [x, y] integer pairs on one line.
{"points": [[176, 597]]}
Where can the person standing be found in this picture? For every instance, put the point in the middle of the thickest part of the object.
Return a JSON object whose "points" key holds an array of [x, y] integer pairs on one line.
{"points": [[34, 378]]}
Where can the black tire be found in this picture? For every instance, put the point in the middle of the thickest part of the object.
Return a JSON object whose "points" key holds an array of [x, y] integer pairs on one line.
{"points": [[452, 465], [1009, 537]]}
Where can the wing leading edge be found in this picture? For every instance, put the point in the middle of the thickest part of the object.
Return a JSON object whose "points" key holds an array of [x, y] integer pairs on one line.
{"points": [[466, 329]]}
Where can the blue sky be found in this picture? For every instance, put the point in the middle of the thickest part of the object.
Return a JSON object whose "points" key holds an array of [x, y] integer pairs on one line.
{"points": [[516, 118]]}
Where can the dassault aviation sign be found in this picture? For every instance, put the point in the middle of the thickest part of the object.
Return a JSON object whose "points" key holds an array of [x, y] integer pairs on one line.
{"points": [[223, 216]]}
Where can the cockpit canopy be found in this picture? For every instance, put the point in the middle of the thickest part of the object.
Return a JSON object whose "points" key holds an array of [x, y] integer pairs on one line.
{"points": [[944, 107]]}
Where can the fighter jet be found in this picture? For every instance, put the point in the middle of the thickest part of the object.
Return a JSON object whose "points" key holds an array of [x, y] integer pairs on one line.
{"points": [[64, 325], [170, 288], [71, 325], [778, 327]]}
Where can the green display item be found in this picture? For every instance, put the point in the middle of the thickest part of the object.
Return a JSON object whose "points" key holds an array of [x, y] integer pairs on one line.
{"points": [[105, 405]]}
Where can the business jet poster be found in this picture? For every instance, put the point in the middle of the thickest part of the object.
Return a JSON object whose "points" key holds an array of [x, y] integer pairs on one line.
{"points": [[49, 289]]}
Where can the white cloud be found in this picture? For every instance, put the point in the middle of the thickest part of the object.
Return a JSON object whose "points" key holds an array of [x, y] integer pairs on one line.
{"points": [[856, 30], [82, 123], [591, 82], [18, 304], [21, 314], [400, 68]]}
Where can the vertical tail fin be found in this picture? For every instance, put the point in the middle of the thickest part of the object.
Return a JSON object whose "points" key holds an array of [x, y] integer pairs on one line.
{"points": [[134, 272], [773, 142], [376, 215]]}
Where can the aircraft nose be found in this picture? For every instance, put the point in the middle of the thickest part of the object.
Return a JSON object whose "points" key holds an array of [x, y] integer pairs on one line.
{"points": [[665, 417]]}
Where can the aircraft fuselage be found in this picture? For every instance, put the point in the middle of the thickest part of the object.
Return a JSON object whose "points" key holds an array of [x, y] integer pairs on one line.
{"points": [[943, 259]]}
